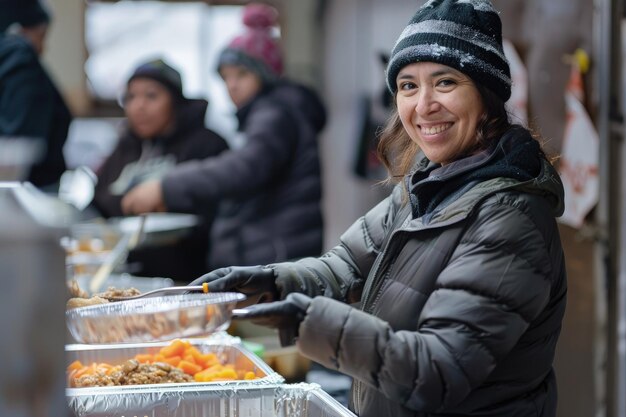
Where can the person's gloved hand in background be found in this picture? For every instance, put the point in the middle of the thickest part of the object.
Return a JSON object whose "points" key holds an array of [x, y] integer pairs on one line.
{"points": [[285, 315], [257, 283]]}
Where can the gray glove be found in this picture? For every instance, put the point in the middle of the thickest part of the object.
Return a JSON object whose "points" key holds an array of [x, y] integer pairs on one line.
{"points": [[255, 282], [285, 315]]}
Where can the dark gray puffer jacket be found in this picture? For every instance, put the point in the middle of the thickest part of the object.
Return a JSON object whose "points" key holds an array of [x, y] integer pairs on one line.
{"points": [[467, 328]]}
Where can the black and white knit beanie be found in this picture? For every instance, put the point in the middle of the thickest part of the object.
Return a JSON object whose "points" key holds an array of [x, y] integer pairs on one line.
{"points": [[462, 34]]}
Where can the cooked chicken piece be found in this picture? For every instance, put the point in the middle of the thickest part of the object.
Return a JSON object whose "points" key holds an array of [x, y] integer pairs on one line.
{"points": [[83, 302], [75, 290]]}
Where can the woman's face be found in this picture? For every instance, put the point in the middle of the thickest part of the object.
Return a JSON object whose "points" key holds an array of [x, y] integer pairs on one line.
{"points": [[149, 108], [241, 83], [440, 108]]}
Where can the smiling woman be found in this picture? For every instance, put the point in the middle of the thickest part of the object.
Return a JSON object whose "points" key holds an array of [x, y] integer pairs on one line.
{"points": [[459, 274]]}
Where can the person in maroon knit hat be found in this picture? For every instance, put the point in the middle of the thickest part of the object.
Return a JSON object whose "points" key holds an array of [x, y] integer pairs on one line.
{"points": [[256, 49], [270, 188]]}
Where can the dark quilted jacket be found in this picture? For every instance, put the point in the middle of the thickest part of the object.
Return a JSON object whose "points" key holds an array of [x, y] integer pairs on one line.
{"points": [[474, 336], [270, 188], [32, 107]]}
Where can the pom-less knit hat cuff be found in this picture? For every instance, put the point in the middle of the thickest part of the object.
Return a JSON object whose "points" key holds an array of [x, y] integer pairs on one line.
{"points": [[462, 34], [232, 56], [159, 71]]}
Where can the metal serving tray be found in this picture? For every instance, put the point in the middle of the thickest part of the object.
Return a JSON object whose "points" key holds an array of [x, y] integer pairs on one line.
{"points": [[278, 400], [226, 347], [152, 318]]}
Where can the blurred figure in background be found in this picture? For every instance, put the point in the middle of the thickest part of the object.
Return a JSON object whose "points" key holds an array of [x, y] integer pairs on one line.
{"points": [[30, 104], [163, 129], [273, 182]]}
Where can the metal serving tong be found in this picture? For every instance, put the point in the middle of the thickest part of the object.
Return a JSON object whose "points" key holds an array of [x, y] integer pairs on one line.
{"points": [[163, 291], [118, 255]]}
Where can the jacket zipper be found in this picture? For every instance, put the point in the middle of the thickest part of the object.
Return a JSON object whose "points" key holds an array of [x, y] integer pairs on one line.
{"points": [[357, 397], [377, 279]]}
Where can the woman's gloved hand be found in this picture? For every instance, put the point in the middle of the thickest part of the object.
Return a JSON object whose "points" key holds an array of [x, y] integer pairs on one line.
{"points": [[285, 315], [256, 282]]}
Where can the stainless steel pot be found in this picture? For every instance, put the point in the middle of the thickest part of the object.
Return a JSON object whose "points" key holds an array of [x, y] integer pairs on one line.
{"points": [[32, 302]]}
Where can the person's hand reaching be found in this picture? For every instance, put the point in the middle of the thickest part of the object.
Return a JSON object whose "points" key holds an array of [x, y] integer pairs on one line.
{"points": [[285, 315], [256, 282], [146, 197]]}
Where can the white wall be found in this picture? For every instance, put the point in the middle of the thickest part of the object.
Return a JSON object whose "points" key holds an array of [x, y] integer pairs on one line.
{"points": [[65, 52]]}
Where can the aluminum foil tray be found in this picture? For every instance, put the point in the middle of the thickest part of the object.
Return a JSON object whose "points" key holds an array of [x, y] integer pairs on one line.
{"points": [[152, 319], [279, 400], [226, 347]]}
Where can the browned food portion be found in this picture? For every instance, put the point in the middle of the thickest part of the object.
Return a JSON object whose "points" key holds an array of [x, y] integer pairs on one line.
{"points": [[132, 372], [84, 302], [75, 290], [119, 292], [80, 298]]}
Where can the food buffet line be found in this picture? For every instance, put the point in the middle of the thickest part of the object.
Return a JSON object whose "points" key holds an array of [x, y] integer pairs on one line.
{"points": [[94, 355]]}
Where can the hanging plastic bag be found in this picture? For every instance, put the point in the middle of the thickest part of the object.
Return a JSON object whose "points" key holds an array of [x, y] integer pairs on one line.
{"points": [[579, 157]]}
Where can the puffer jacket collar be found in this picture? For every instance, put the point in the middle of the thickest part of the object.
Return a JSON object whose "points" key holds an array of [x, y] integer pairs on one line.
{"points": [[444, 195]]}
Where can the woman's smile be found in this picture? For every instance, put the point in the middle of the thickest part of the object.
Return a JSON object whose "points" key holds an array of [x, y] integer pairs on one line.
{"points": [[430, 130]]}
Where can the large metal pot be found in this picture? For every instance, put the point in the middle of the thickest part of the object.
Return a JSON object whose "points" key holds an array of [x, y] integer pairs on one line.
{"points": [[32, 302]]}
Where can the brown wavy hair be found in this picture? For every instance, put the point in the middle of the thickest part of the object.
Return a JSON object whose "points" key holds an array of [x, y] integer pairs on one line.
{"points": [[397, 151]]}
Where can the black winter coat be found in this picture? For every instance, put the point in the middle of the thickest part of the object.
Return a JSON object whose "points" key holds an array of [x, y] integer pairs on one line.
{"points": [[272, 185], [473, 335], [135, 160], [32, 107]]}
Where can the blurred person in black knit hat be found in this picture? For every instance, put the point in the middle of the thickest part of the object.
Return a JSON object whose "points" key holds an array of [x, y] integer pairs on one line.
{"points": [[447, 298], [271, 186], [163, 128], [31, 106]]}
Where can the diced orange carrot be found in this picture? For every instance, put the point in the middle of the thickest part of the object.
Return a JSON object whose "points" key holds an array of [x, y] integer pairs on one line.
{"points": [[144, 357], [74, 366], [191, 359], [209, 359], [174, 360], [227, 373], [193, 351], [176, 348], [83, 371], [189, 367], [249, 375]]}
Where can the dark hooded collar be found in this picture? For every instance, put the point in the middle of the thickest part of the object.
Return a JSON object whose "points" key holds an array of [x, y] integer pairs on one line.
{"points": [[516, 155], [243, 112]]}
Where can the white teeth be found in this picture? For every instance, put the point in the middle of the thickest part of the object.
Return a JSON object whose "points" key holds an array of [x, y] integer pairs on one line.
{"points": [[435, 129]]}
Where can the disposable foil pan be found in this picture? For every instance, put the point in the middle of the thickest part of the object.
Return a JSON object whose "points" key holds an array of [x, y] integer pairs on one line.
{"points": [[227, 348], [279, 400], [152, 318]]}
